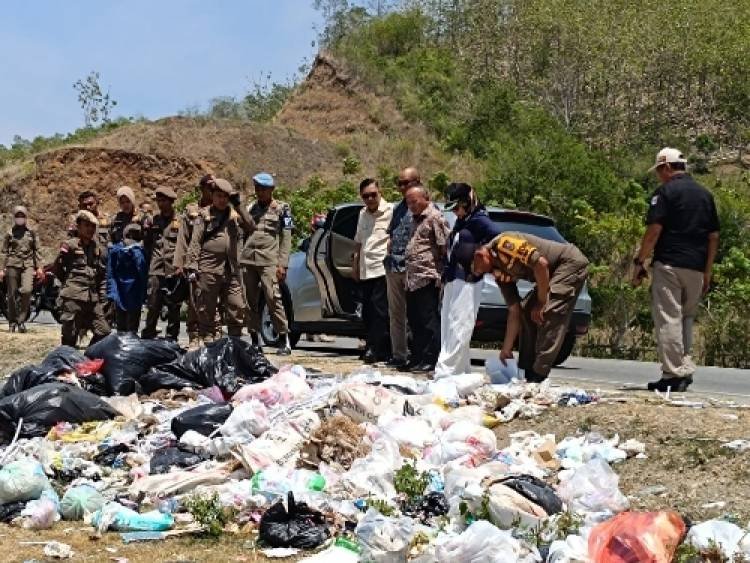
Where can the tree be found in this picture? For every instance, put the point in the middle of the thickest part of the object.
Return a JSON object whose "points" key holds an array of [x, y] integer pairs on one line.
{"points": [[96, 104]]}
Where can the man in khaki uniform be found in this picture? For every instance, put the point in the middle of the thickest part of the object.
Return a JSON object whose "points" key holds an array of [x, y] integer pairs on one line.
{"points": [[19, 261], [160, 242], [88, 201], [543, 317], [213, 260], [188, 220], [81, 266], [265, 258]]}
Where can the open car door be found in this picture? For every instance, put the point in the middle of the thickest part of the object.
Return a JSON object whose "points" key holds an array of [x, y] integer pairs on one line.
{"points": [[329, 258]]}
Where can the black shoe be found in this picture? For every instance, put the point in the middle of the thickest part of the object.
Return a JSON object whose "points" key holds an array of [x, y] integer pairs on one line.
{"points": [[424, 367], [395, 363], [369, 357], [22, 328], [408, 366], [11, 328], [675, 384], [532, 377]]}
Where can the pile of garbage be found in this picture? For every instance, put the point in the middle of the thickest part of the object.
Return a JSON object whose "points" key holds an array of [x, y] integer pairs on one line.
{"points": [[141, 438]]}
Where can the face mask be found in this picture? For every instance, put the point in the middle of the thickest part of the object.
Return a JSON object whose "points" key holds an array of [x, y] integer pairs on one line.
{"points": [[20, 221]]}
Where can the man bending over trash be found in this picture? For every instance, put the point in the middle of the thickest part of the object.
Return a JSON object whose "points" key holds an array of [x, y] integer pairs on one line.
{"points": [[543, 316]]}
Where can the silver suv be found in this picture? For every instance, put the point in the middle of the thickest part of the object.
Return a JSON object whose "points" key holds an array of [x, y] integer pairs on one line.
{"points": [[319, 294]]}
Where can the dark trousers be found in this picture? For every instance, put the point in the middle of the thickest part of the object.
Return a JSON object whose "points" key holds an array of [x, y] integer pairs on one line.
{"points": [[155, 301], [374, 295], [423, 314], [127, 321]]}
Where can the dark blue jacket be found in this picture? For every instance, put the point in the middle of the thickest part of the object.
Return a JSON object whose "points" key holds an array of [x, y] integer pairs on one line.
{"points": [[475, 229], [127, 276]]}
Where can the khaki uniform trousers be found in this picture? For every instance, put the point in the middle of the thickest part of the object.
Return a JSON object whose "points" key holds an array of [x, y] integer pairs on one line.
{"points": [[263, 278], [78, 315], [675, 295], [397, 314], [210, 289], [191, 322], [19, 283], [539, 346]]}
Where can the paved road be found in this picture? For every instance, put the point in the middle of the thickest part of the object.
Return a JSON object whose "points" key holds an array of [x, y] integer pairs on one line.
{"points": [[726, 383], [732, 384]]}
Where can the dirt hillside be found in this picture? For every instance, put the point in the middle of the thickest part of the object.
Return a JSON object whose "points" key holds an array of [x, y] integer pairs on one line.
{"points": [[330, 117]]}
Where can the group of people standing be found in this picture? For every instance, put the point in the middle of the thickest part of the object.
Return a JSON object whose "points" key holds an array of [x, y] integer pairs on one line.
{"points": [[430, 274], [418, 279], [217, 255]]}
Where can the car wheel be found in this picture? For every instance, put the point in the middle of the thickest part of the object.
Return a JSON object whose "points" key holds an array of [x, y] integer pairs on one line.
{"points": [[267, 331], [567, 348]]}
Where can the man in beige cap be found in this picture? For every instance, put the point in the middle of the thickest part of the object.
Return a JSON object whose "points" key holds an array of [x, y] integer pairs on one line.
{"points": [[188, 220], [160, 243], [683, 234], [19, 261], [213, 260], [265, 258], [81, 266]]}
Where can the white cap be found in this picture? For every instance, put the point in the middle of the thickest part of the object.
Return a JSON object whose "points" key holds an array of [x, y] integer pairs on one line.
{"points": [[668, 155]]}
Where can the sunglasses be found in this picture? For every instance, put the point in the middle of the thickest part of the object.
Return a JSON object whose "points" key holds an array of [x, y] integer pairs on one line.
{"points": [[371, 195]]}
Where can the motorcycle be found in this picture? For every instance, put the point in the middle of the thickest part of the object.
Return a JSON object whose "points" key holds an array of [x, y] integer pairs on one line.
{"points": [[43, 296]]}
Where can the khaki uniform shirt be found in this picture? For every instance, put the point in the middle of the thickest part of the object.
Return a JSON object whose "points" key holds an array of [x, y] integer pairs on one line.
{"points": [[188, 220], [82, 270], [20, 249], [271, 242], [215, 242], [372, 234], [425, 253], [102, 230], [514, 256], [160, 241]]}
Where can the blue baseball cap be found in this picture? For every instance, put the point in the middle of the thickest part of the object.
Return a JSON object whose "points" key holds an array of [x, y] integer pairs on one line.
{"points": [[264, 180]]}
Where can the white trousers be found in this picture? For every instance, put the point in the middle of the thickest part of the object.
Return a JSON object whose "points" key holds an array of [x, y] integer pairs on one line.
{"points": [[458, 316]]}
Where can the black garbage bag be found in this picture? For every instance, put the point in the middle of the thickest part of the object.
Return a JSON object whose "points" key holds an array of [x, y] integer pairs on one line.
{"points": [[60, 360], [229, 362], [127, 357], [11, 510], [204, 419], [163, 460], [431, 504], [299, 526], [45, 405], [535, 490], [108, 456]]}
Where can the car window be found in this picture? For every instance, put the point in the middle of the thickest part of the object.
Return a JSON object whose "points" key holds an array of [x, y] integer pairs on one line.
{"points": [[345, 221], [548, 232]]}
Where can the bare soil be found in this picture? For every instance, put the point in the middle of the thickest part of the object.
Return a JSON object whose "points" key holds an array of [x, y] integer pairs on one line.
{"points": [[683, 445]]}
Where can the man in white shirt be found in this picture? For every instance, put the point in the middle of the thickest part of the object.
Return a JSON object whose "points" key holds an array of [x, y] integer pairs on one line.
{"points": [[372, 246]]}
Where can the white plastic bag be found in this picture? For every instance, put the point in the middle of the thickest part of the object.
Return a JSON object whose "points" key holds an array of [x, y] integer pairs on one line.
{"points": [[22, 480], [480, 542], [509, 508], [466, 383], [407, 430], [39, 514], [573, 549], [373, 474], [463, 440], [731, 539], [384, 539], [285, 387], [365, 403], [593, 487], [248, 420]]}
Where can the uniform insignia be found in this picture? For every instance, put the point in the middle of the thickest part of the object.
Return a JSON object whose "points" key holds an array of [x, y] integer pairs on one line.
{"points": [[508, 245], [654, 200]]}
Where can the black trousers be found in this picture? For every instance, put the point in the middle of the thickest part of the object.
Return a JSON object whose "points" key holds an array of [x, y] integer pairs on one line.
{"points": [[127, 321], [155, 301], [374, 295], [423, 314]]}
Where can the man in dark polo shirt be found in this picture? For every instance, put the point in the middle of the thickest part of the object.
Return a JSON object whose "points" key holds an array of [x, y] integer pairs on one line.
{"points": [[683, 233]]}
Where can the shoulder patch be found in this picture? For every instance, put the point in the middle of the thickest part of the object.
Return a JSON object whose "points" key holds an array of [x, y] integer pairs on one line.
{"points": [[655, 200], [516, 248]]}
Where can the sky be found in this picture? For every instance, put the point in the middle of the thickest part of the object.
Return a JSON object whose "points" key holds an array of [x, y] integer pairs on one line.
{"points": [[156, 57]]}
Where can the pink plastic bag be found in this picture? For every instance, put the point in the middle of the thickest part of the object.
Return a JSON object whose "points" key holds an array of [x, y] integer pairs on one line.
{"points": [[637, 537]]}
